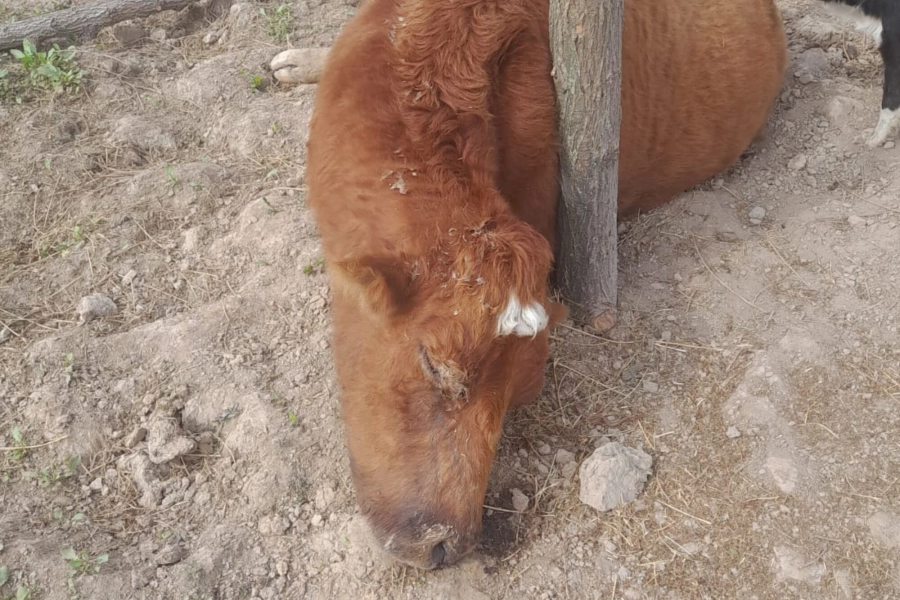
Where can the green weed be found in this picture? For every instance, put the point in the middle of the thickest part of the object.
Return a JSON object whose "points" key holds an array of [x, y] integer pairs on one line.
{"points": [[280, 22], [54, 69]]}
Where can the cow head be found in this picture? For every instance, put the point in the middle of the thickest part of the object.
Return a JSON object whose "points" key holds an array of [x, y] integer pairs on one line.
{"points": [[431, 350]]}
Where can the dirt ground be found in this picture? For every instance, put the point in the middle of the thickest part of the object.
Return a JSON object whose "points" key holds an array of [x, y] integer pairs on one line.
{"points": [[189, 446]]}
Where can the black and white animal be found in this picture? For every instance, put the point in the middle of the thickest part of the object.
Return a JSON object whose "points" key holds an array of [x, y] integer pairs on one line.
{"points": [[881, 20]]}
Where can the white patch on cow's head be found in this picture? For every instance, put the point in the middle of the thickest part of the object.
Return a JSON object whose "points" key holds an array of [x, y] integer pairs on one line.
{"points": [[860, 20], [523, 321]]}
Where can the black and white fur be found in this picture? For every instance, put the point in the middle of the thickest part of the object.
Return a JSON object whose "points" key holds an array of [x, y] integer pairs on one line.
{"points": [[881, 20]]}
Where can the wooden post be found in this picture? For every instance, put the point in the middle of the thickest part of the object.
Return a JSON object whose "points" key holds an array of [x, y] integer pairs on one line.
{"points": [[586, 41]]}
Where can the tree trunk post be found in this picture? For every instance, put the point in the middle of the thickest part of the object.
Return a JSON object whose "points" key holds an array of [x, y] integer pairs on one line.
{"points": [[81, 22], [586, 41]]}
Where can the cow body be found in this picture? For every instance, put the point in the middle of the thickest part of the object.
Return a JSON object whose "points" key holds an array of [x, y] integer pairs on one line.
{"points": [[699, 78], [880, 19], [432, 173]]}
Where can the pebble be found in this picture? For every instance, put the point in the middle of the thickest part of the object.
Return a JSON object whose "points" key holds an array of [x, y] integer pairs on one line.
{"points": [[135, 437], [889, 145], [757, 214], [797, 163], [519, 500], [650, 386], [316, 520], [856, 221], [613, 475], [94, 306], [169, 555], [733, 432], [164, 443]]}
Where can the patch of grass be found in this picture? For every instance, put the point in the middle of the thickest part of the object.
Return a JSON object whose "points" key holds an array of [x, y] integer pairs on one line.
{"points": [[317, 267], [54, 69], [293, 419], [82, 563], [50, 475], [62, 247], [256, 82], [279, 21], [19, 444]]}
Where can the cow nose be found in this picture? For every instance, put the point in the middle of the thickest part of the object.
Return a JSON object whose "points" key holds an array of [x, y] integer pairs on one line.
{"points": [[438, 554]]}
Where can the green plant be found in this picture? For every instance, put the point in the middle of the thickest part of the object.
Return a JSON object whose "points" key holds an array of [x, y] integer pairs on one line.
{"points": [[4, 83], [256, 83], [280, 22], [315, 267], [75, 236], [69, 367], [82, 563], [294, 420], [55, 68], [19, 443]]}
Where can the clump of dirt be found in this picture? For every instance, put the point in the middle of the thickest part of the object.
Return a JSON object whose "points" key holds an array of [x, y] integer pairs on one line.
{"points": [[188, 444]]}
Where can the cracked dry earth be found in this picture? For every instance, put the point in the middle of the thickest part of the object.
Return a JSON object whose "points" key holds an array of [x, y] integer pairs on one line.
{"points": [[191, 435]]}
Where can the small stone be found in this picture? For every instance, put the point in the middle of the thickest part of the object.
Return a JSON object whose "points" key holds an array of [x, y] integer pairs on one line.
{"points": [[806, 79], [544, 448], [281, 567], [651, 386], [96, 485], [135, 437], [299, 65], [519, 500], [210, 38], [316, 520], [159, 35], [733, 432], [169, 555], [613, 475], [885, 529], [164, 442], [798, 163], [757, 213], [94, 306], [889, 145], [727, 236], [793, 565], [856, 221], [128, 277]]}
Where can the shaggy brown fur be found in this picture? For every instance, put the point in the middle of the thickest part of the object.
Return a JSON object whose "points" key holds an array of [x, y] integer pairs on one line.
{"points": [[433, 176]]}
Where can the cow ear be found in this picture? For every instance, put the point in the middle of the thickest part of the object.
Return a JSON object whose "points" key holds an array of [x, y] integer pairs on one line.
{"points": [[382, 285]]}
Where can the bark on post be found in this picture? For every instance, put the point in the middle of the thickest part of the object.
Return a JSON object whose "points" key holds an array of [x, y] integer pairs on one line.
{"points": [[81, 22], [586, 39]]}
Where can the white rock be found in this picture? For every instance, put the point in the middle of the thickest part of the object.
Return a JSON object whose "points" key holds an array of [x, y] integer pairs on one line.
{"points": [[757, 213], [885, 529], [94, 306], [613, 475], [650, 386], [164, 443], [519, 500], [856, 221], [784, 472], [798, 163], [733, 432], [793, 565]]}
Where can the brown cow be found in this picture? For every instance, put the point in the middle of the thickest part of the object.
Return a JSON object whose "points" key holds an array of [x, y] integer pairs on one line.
{"points": [[433, 176]]}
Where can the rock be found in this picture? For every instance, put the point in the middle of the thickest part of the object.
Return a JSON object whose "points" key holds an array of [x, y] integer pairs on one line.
{"points": [[793, 565], [170, 554], [241, 13], [142, 474], [94, 306], [798, 163], [757, 213], [164, 443], [613, 475], [210, 38], [650, 386], [316, 520], [889, 145], [885, 529], [566, 463], [96, 485], [299, 65], [519, 500], [159, 35], [733, 432], [856, 221], [135, 437], [784, 472], [128, 278], [129, 35]]}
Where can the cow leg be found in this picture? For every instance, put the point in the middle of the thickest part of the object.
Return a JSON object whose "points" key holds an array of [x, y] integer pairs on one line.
{"points": [[889, 119]]}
